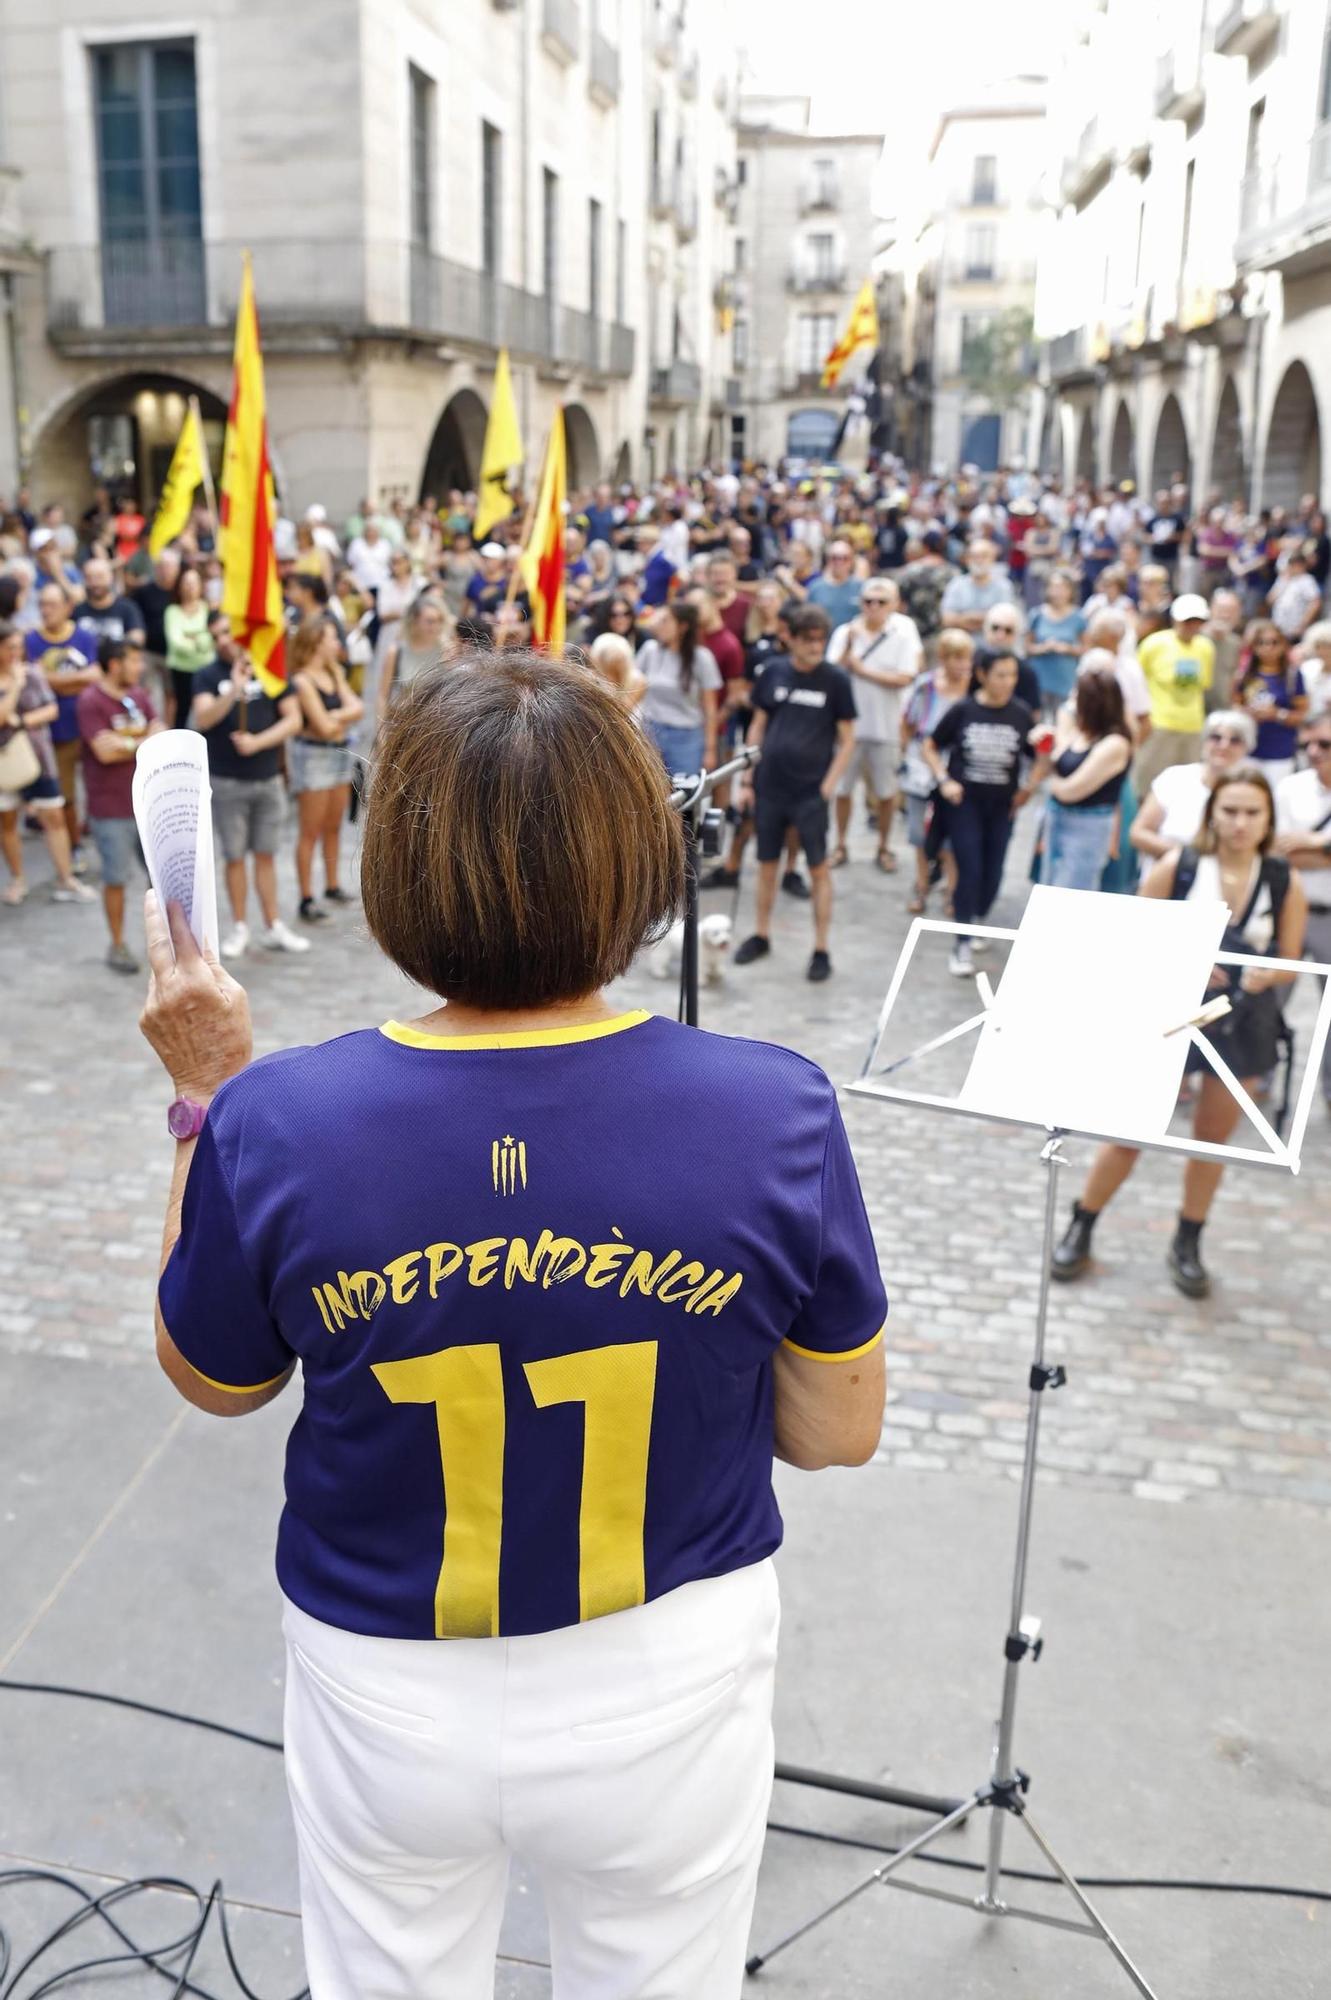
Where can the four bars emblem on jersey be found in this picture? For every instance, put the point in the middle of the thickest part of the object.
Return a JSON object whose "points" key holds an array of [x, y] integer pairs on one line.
{"points": [[508, 1164]]}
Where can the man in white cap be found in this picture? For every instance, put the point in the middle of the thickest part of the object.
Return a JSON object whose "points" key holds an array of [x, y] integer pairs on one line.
{"points": [[1179, 666], [317, 518]]}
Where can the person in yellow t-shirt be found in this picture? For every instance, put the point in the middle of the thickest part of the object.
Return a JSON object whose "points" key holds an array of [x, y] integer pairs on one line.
{"points": [[1179, 666]]}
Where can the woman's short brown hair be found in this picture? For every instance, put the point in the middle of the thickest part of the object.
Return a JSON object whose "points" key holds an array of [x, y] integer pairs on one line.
{"points": [[1242, 774], [520, 845]]}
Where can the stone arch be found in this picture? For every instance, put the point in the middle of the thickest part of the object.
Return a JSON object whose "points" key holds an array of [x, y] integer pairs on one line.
{"points": [[1229, 478], [119, 430], [1122, 445], [1085, 465], [582, 446], [454, 458], [1170, 455], [1293, 462], [623, 471]]}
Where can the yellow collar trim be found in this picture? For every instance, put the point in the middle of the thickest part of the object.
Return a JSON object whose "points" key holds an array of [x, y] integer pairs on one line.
{"points": [[521, 1038]]}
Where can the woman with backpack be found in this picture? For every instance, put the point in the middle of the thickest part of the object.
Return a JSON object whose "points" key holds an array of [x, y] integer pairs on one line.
{"points": [[1232, 859]]}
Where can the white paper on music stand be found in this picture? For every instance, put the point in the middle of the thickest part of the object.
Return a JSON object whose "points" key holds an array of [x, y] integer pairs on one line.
{"points": [[1076, 1037], [173, 809]]}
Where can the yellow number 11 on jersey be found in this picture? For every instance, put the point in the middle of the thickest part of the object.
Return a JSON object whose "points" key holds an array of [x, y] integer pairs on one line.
{"points": [[616, 1386]]}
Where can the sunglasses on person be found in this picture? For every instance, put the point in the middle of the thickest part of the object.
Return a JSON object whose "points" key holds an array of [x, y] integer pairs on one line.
{"points": [[1226, 736], [1319, 742], [1005, 631], [875, 600]]}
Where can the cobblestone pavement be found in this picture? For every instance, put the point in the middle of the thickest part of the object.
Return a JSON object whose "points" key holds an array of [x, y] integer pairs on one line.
{"points": [[1167, 1399]]}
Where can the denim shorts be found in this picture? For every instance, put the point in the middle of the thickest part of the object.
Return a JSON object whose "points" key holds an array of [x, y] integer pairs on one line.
{"points": [[318, 767], [118, 850], [248, 815], [43, 793], [1077, 840]]}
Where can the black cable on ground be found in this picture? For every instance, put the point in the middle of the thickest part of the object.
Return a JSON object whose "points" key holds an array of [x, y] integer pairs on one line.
{"points": [[1054, 1881], [156, 1957]]}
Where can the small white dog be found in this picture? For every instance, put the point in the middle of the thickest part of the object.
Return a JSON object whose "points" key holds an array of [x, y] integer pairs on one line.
{"points": [[713, 951]]}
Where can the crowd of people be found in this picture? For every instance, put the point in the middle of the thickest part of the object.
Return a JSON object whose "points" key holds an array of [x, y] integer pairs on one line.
{"points": [[951, 651]]}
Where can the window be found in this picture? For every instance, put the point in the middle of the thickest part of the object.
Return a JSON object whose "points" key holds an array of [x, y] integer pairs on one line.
{"points": [[148, 182], [492, 199], [981, 243], [823, 181], [816, 334], [974, 327], [741, 347], [741, 171], [1186, 233], [820, 252], [741, 255], [621, 270], [422, 157], [594, 259], [984, 180], [550, 234]]}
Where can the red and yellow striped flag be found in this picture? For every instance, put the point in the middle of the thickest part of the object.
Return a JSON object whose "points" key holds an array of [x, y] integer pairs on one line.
{"points": [[251, 588], [543, 557], [861, 331]]}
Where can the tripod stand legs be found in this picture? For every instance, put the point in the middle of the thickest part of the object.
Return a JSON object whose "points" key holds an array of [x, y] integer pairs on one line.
{"points": [[1005, 1792]]}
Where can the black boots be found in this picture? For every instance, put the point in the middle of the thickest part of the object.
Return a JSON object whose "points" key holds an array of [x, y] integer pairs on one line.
{"points": [[1072, 1253], [1185, 1260]]}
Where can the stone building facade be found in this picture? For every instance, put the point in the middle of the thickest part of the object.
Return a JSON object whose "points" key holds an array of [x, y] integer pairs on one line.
{"points": [[418, 182]]}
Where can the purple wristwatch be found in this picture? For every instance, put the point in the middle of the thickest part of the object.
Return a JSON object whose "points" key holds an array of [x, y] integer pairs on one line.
{"points": [[184, 1118]]}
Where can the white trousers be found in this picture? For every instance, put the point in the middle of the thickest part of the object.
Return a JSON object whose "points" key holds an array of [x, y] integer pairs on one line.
{"points": [[627, 1762]]}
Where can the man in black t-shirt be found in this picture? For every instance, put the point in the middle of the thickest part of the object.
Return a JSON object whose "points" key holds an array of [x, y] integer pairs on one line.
{"points": [[111, 617], [804, 722], [244, 728]]}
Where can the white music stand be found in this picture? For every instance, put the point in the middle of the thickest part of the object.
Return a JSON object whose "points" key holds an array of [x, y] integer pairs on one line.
{"points": [[1087, 1033]]}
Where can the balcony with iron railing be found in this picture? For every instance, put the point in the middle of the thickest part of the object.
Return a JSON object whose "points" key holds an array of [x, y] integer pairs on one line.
{"points": [[151, 298], [1244, 27], [666, 34], [799, 381], [603, 70], [820, 192], [803, 278], [1285, 211], [1178, 82], [686, 213], [1089, 164], [561, 29], [678, 383], [661, 194]]}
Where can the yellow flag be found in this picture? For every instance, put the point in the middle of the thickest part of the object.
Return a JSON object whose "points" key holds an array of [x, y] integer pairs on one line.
{"points": [[861, 331], [251, 590], [183, 479], [503, 451], [543, 558]]}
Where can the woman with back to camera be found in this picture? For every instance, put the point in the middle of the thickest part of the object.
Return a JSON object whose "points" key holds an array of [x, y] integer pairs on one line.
{"points": [[1089, 763], [545, 1368], [1268, 911]]}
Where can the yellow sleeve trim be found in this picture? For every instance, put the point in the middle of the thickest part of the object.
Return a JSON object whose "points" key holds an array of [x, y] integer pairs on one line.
{"points": [[229, 1388], [518, 1038], [847, 1354]]}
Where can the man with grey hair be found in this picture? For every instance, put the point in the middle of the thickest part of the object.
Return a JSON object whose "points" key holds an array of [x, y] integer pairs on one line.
{"points": [[1224, 628], [968, 597], [1109, 635]]}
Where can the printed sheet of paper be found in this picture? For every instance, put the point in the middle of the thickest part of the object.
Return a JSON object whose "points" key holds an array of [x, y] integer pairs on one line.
{"points": [[173, 808], [1076, 1037]]}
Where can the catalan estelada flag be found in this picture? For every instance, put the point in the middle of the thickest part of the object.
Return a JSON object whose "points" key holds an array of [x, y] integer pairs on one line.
{"points": [[502, 453], [543, 557], [183, 479], [251, 589], [861, 331]]}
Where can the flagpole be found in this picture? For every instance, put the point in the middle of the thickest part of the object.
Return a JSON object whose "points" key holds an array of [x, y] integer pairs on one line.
{"points": [[210, 496], [516, 577]]}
